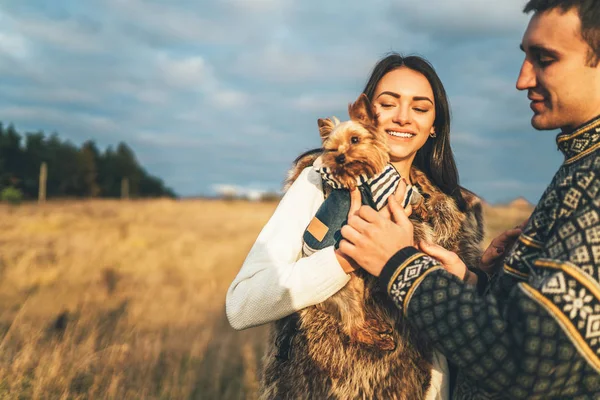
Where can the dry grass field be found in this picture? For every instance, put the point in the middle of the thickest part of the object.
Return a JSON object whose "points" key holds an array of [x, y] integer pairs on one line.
{"points": [[125, 300]]}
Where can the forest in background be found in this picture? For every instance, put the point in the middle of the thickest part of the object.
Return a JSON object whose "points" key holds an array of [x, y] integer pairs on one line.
{"points": [[74, 172]]}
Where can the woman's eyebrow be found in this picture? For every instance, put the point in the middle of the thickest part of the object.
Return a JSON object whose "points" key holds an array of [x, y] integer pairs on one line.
{"points": [[418, 98], [397, 96]]}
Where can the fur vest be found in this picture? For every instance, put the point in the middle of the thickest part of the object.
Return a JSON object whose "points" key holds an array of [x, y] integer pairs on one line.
{"points": [[311, 354]]}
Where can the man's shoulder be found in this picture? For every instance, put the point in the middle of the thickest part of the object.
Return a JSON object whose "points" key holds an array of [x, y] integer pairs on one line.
{"points": [[583, 176]]}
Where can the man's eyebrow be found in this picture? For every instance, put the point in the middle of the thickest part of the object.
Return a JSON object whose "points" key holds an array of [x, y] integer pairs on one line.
{"points": [[540, 49]]}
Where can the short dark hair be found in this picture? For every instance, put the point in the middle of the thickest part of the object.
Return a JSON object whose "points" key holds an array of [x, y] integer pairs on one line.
{"points": [[435, 158], [589, 14]]}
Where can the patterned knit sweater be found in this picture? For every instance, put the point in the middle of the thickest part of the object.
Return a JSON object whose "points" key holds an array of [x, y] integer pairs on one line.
{"points": [[535, 333]]}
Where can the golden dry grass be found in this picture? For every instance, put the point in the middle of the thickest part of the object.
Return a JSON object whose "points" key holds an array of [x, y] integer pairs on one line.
{"points": [[125, 300]]}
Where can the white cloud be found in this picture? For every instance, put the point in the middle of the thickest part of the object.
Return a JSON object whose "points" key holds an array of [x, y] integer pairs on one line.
{"points": [[228, 98], [324, 103], [443, 19], [54, 96], [240, 83], [275, 63], [169, 139], [72, 35], [250, 192], [185, 73], [180, 22], [14, 45], [78, 125]]}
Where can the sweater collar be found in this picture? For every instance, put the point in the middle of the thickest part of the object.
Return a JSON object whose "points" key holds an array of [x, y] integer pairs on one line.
{"points": [[581, 142]]}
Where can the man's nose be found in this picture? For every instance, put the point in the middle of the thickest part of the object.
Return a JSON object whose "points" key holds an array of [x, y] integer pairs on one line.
{"points": [[526, 79]]}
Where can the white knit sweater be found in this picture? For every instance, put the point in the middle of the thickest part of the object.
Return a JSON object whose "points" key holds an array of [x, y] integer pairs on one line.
{"points": [[275, 281]]}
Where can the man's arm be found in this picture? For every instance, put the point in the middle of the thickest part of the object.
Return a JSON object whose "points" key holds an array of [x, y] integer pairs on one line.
{"points": [[542, 340]]}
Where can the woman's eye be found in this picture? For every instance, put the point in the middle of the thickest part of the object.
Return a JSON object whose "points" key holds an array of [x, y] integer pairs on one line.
{"points": [[386, 105], [421, 110], [354, 139]]}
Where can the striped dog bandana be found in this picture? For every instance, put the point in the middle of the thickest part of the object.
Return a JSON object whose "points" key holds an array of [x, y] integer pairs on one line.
{"points": [[380, 186]]}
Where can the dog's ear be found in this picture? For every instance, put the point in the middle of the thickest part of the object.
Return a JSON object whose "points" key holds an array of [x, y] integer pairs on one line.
{"points": [[363, 111], [325, 127]]}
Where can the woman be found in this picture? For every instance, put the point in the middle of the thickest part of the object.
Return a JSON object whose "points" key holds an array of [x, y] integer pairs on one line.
{"points": [[275, 283]]}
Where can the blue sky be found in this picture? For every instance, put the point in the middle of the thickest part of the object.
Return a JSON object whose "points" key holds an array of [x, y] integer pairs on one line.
{"points": [[228, 92]]}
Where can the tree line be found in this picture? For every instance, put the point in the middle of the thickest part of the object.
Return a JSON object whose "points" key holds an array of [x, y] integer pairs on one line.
{"points": [[72, 171]]}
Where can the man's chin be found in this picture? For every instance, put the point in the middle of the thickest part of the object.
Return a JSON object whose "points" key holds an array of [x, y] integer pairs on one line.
{"points": [[542, 124]]}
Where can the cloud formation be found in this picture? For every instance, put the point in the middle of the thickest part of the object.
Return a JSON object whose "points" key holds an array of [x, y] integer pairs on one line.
{"points": [[228, 92]]}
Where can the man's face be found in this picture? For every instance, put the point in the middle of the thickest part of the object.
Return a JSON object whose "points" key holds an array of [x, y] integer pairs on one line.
{"points": [[564, 91]]}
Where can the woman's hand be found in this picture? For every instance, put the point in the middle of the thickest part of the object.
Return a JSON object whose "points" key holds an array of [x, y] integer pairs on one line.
{"points": [[347, 264], [498, 248], [371, 238]]}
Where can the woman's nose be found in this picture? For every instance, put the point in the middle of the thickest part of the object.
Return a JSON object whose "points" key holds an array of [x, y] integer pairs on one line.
{"points": [[401, 116]]}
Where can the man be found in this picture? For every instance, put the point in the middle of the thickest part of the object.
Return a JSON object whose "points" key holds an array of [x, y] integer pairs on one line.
{"points": [[536, 331]]}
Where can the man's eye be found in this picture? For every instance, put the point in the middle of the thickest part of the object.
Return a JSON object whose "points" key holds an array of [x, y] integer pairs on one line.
{"points": [[544, 61], [355, 139]]}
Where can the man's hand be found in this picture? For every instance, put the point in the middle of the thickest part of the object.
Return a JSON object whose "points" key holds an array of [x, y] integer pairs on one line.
{"points": [[399, 196], [497, 249], [370, 238]]}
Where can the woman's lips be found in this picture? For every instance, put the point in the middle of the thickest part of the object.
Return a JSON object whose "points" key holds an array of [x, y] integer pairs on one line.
{"points": [[400, 134]]}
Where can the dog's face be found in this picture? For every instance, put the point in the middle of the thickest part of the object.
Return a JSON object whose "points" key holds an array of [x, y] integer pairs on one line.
{"points": [[354, 147]]}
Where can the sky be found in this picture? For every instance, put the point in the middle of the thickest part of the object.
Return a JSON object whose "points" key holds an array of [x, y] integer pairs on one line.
{"points": [[226, 93]]}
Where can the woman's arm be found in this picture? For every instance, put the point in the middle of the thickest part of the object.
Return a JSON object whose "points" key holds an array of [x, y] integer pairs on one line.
{"points": [[274, 280]]}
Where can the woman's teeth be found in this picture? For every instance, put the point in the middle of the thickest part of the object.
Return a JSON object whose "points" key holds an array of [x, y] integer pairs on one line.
{"points": [[400, 134]]}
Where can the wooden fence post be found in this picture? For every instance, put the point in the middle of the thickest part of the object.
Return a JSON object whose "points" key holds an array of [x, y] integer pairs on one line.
{"points": [[125, 188], [43, 180]]}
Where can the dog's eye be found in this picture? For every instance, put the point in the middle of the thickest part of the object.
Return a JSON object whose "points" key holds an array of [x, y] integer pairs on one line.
{"points": [[354, 139]]}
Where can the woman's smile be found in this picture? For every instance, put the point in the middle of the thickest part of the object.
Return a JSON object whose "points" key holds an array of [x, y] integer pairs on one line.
{"points": [[400, 134]]}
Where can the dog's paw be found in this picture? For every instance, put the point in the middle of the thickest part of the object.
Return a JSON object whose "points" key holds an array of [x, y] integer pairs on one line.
{"points": [[378, 326], [386, 342], [369, 337]]}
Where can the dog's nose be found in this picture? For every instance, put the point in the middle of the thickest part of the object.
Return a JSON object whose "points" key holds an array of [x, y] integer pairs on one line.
{"points": [[341, 159]]}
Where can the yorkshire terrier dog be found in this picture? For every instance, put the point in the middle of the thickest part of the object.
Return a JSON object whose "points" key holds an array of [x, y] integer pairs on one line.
{"points": [[356, 155]]}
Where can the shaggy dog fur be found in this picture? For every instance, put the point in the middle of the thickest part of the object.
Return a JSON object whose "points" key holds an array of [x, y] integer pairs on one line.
{"points": [[315, 353]]}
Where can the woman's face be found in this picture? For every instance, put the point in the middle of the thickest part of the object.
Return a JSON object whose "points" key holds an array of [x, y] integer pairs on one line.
{"points": [[405, 106]]}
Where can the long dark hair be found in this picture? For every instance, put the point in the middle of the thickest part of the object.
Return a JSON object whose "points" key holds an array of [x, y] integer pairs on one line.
{"points": [[435, 158]]}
